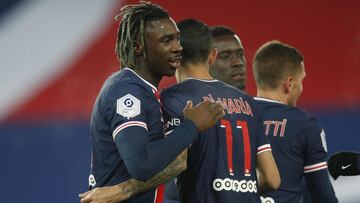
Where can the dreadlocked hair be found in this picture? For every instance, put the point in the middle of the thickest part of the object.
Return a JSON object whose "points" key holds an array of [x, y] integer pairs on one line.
{"points": [[133, 21]]}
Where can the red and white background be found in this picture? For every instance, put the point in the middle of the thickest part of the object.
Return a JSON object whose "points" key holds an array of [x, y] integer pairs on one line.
{"points": [[55, 55]]}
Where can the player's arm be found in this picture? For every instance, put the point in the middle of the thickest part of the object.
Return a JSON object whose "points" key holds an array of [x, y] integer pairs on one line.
{"points": [[133, 187], [344, 164], [319, 186], [144, 159], [268, 173], [315, 169]]}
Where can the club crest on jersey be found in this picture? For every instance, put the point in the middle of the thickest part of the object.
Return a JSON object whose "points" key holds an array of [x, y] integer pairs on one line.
{"points": [[128, 106]]}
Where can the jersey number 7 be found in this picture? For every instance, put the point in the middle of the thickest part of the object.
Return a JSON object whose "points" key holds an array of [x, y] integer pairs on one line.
{"points": [[241, 125]]}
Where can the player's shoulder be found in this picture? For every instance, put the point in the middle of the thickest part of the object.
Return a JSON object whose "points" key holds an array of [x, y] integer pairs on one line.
{"points": [[295, 113], [234, 91], [125, 82], [174, 97], [171, 90], [182, 89], [301, 114], [303, 118]]}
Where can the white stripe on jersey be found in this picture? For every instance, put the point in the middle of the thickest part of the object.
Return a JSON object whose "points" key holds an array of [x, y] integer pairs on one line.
{"points": [[155, 195], [190, 78], [128, 124], [323, 139], [168, 132], [267, 100], [263, 148], [315, 167]]}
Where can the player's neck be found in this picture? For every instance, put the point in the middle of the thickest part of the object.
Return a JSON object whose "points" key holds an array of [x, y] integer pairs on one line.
{"points": [[199, 71], [273, 95], [148, 75]]}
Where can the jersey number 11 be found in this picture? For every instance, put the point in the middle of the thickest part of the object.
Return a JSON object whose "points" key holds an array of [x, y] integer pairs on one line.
{"points": [[241, 125]]}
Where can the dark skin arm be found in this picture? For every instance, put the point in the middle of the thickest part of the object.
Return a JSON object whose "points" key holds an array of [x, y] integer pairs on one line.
{"points": [[132, 187], [204, 115]]}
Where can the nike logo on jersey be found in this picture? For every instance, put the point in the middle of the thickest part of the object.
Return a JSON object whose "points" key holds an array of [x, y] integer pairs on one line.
{"points": [[345, 167]]}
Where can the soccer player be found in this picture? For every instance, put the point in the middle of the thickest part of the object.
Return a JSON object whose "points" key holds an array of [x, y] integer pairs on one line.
{"points": [[127, 126], [297, 140], [230, 63], [222, 163], [229, 67], [344, 164]]}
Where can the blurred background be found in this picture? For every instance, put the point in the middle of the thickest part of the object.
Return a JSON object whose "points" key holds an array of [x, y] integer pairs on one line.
{"points": [[55, 55]]}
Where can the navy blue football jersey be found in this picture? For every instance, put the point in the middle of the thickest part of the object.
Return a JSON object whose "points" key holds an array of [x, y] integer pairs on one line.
{"points": [[298, 146], [221, 163], [126, 117]]}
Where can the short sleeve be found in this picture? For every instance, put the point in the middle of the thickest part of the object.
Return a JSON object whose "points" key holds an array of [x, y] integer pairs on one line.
{"points": [[262, 143], [126, 106], [314, 147]]}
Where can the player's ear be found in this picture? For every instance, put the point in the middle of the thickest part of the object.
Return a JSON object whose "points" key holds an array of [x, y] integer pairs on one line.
{"points": [[288, 84], [212, 56], [138, 48]]}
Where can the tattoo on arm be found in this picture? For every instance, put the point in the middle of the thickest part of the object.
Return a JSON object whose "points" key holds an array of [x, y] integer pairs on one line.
{"points": [[133, 187]]}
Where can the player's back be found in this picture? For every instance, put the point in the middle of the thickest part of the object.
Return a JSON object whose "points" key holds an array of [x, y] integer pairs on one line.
{"points": [[221, 163], [122, 88], [297, 146]]}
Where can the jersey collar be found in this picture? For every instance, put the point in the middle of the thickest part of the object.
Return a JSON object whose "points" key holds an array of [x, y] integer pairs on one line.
{"points": [[190, 78], [267, 100], [145, 81]]}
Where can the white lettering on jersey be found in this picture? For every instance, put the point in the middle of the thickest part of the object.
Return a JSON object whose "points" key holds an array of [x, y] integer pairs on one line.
{"points": [[267, 199], [173, 122], [228, 184], [323, 139], [128, 106]]}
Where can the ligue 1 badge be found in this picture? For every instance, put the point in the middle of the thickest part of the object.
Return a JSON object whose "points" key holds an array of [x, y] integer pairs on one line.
{"points": [[128, 106]]}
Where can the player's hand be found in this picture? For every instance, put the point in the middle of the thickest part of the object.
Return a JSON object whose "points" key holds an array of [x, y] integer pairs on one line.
{"points": [[101, 195], [343, 164], [205, 114]]}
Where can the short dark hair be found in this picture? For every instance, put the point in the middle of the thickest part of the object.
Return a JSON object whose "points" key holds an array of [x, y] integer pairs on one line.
{"points": [[134, 19], [196, 40], [221, 30], [272, 61]]}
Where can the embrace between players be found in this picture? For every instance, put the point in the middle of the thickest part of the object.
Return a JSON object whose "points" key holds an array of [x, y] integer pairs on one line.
{"points": [[222, 144]]}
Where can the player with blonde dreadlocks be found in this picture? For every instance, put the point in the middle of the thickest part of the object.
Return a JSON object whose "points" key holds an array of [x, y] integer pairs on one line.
{"points": [[127, 127], [132, 26]]}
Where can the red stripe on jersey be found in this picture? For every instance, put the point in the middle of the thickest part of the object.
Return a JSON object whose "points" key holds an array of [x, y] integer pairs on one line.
{"points": [[159, 194], [263, 148], [229, 144], [128, 124], [247, 150], [315, 167], [157, 95]]}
